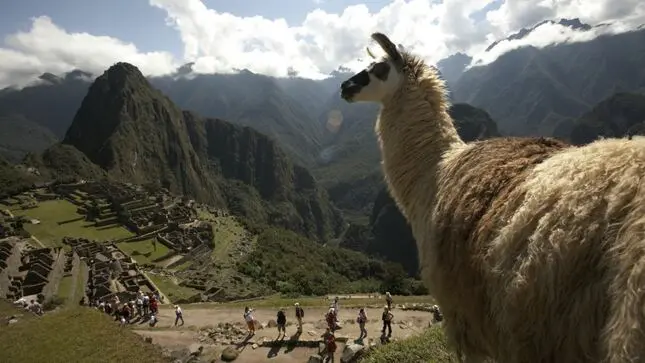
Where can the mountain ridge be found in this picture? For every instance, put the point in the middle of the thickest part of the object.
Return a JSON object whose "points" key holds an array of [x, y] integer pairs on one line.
{"points": [[136, 134]]}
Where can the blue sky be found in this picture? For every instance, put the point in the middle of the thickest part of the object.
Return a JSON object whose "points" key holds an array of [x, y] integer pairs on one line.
{"points": [[137, 22]]}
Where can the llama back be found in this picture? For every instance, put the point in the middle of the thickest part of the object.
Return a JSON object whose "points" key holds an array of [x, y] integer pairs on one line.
{"points": [[542, 242]]}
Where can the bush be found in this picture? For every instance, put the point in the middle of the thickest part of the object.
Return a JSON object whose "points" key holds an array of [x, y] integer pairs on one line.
{"points": [[430, 346], [293, 265]]}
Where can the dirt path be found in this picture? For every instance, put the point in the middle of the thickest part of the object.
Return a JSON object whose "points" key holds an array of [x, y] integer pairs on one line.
{"points": [[201, 320]]}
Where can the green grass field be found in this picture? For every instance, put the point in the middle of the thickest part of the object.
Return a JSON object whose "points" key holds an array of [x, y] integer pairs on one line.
{"points": [[144, 251], [169, 288], [71, 335], [316, 301], [51, 233]]}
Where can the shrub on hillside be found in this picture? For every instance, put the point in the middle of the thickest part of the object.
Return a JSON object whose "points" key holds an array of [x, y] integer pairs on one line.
{"points": [[293, 265]]}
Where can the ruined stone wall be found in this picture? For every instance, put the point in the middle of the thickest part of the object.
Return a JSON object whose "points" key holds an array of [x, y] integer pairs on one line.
{"points": [[13, 262]]}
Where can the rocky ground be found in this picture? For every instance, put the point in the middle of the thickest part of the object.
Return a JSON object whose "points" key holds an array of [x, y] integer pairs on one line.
{"points": [[209, 331]]}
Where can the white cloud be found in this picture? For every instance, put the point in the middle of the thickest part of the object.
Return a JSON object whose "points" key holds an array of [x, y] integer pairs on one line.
{"points": [[221, 42], [48, 48]]}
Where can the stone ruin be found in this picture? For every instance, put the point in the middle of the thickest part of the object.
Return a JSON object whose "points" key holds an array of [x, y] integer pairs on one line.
{"points": [[111, 271], [34, 271], [185, 239]]}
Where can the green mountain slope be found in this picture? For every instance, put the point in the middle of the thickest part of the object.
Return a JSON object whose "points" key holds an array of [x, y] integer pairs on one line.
{"points": [[530, 91], [135, 134]]}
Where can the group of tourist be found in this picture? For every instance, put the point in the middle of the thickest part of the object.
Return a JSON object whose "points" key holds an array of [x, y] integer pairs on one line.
{"points": [[145, 307], [33, 305], [331, 317]]}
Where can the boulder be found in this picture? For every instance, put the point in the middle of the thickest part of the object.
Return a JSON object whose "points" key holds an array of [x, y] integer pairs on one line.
{"points": [[315, 359], [195, 349], [351, 352], [230, 354]]}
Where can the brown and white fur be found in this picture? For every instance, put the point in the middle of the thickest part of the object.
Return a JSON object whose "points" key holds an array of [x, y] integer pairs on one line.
{"points": [[534, 249]]}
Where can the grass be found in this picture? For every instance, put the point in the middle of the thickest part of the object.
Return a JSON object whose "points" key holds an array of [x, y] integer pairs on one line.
{"points": [[169, 288], [144, 251], [226, 231], [71, 335], [50, 233], [66, 289], [430, 346], [314, 301]]}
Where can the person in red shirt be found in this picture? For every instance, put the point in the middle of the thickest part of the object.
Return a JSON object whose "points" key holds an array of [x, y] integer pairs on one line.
{"points": [[330, 345]]}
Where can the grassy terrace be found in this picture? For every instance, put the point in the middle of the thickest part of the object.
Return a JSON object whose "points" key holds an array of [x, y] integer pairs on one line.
{"points": [[50, 231], [145, 251], [170, 288], [315, 301], [71, 335]]}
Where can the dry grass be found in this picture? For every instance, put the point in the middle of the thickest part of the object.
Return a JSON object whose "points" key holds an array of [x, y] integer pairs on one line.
{"points": [[430, 346]]}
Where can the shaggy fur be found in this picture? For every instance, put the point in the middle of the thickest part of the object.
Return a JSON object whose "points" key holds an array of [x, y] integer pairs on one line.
{"points": [[534, 249]]}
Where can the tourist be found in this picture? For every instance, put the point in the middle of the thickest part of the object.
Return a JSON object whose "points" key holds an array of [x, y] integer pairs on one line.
{"points": [[282, 322], [250, 320], [35, 307], [437, 316], [154, 308], [139, 305], [330, 344], [387, 321], [126, 312], [153, 320], [335, 305], [388, 300], [331, 319], [178, 315], [361, 320], [300, 314], [146, 304]]}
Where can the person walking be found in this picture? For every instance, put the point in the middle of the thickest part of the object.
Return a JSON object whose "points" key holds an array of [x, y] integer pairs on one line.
{"points": [[335, 305], [300, 314], [388, 300], [387, 321], [179, 315], [330, 345], [282, 323], [250, 321], [331, 319], [362, 320]]}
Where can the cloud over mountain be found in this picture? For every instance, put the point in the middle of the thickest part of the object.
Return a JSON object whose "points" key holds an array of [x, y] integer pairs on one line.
{"points": [[222, 42]]}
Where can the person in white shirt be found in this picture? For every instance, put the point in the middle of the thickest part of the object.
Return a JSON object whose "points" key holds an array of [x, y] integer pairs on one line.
{"points": [[250, 320], [178, 315], [335, 306]]}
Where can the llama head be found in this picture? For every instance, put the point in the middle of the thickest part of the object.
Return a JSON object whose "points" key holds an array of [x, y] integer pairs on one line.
{"points": [[380, 79]]}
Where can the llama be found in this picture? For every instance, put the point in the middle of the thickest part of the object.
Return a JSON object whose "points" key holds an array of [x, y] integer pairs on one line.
{"points": [[534, 249]]}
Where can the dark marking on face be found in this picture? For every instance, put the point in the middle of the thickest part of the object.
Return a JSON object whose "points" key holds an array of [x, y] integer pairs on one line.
{"points": [[380, 70], [354, 85]]}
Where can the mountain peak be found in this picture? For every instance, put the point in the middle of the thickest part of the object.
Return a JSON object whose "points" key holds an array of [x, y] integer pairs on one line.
{"points": [[574, 24], [50, 78], [121, 75]]}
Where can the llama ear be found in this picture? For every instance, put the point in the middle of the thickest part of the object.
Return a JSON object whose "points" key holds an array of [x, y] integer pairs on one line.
{"points": [[389, 48]]}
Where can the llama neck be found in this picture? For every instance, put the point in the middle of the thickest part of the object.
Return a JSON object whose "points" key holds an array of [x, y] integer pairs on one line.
{"points": [[415, 131]]}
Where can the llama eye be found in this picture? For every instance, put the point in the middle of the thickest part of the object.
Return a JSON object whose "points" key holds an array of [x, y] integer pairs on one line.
{"points": [[381, 70]]}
